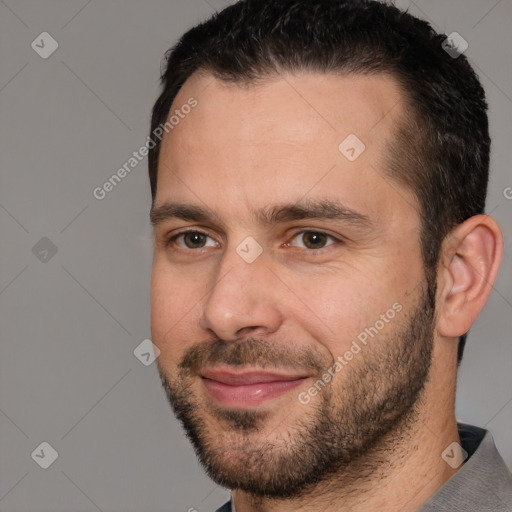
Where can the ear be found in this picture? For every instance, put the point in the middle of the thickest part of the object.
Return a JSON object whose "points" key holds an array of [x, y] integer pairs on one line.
{"points": [[469, 262]]}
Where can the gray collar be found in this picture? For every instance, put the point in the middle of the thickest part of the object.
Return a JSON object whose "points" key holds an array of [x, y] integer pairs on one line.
{"points": [[482, 484]]}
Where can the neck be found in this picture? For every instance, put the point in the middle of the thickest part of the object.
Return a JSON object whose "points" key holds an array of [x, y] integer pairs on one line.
{"points": [[401, 473]]}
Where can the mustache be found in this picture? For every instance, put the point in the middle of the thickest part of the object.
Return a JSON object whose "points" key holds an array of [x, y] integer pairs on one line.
{"points": [[251, 351]]}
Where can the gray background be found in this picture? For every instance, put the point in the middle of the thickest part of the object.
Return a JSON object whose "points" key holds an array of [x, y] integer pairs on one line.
{"points": [[68, 375]]}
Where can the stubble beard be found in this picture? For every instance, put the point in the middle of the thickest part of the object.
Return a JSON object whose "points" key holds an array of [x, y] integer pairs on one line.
{"points": [[375, 395]]}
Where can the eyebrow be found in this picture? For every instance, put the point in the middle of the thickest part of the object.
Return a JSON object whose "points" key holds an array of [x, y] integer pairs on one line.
{"points": [[281, 213]]}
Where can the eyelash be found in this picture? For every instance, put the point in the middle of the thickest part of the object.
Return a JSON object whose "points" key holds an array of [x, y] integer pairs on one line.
{"points": [[172, 238]]}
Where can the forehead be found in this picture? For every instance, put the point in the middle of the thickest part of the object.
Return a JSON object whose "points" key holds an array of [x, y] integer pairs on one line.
{"points": [[282, 139]]}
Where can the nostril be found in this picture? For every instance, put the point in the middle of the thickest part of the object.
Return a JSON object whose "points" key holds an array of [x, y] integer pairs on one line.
{"points": [[253, 331]]}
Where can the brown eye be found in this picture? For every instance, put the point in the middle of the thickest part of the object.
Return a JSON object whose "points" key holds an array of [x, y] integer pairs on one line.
{"points": [[313, 239], [191, 240]]}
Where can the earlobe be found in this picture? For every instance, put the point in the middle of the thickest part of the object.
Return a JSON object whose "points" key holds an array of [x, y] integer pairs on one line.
{"points": [[470, 260]]}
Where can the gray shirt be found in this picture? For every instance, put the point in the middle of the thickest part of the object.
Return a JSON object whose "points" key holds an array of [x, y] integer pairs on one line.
{"points": [[482, 484]]}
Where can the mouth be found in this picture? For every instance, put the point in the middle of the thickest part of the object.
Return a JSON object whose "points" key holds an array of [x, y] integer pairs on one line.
{"points": [[248, 388]]}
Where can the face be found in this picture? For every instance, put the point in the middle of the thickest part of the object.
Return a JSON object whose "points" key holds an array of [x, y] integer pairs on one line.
{"points": [[288, 294]]}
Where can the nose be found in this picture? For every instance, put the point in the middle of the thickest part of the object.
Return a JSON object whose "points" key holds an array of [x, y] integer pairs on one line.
{"points": [[242, 299]]}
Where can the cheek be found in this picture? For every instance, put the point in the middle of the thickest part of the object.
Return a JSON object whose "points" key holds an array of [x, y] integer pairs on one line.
{"points": [[330, 310], [173, 315], [335, 311]]}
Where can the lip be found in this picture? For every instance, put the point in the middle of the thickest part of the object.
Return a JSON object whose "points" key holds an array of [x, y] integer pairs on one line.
{"points": [[248, 388], [248, 377]]}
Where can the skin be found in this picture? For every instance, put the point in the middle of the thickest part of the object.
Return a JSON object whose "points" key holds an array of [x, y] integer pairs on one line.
{"points": [[244, 148]]}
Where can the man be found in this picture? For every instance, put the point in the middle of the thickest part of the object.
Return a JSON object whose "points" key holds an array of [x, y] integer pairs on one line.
{"points": [[321, 250]]}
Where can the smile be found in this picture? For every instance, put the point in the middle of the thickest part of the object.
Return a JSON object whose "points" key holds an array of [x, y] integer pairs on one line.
{"points": [[248, 389]]}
